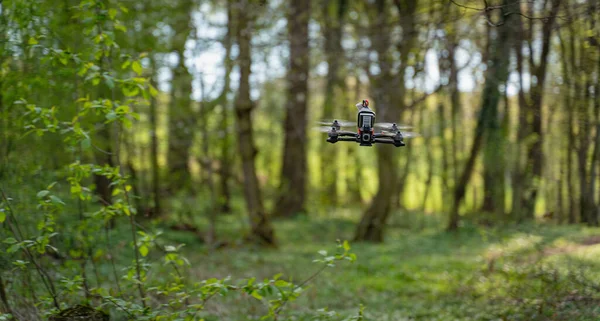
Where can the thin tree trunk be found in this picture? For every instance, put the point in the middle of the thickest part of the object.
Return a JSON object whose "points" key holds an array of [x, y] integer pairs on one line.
{"points": [[535, 155], [354, 178], [261, 229], [568, 102], [560, 211], [4, 298], [445, 174], [226, 144], [292, 190], [496, 74], [334, 90], [430, 160], [181, 119], [156, 211], [596, 161]]}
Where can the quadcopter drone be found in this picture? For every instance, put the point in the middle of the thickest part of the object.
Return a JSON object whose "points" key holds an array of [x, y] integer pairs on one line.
{"points": [[366, 134]]}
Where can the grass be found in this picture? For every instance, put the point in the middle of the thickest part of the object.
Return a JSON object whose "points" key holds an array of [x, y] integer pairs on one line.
{"points": [[515, 272], [477, 274]]}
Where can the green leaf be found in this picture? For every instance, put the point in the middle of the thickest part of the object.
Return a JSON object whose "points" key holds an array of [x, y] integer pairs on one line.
{"points": [[109, 82], [10, 240], [126, 64], [281, 283], [346, 246], [144, 250], [56, 200], [42, 194], [129, 92], [120, 27], [111, 116], [137, 67], [2, 216], [13, 248], [86, 143], [153, 91], [256, 295], [32, 41], [112, 13]]}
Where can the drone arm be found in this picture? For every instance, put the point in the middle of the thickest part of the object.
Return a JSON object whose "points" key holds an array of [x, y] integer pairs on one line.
{"points": [[382, 136], [346, 134], [347, 139], [383, 141], [388, 140], [341, 139]]}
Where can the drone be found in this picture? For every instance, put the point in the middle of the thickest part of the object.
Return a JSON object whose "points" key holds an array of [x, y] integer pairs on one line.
{"points": [[366, 135]]}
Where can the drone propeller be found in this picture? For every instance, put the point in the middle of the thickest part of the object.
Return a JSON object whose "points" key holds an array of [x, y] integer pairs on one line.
{"points": [[391, 125], [404, 134], [323, 129], [341, 122]]}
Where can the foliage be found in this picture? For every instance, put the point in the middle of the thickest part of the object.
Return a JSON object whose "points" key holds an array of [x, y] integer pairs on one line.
{"points": [[112, 94]]}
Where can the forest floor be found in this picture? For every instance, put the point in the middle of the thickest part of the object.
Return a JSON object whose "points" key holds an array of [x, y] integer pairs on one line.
{"points": [[525, 272]]}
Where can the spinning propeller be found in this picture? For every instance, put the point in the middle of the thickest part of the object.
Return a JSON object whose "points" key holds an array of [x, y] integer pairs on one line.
{"points": [[391, 129]]}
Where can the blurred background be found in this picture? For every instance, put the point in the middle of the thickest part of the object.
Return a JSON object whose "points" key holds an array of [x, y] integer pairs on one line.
{"points": [[221, 101]]}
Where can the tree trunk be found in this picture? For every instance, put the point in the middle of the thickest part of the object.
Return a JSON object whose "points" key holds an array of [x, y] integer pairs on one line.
{"points": [[226, 144], [430, 159], [445, 174], [156, 197], [568, 102], [535, 155], [3, 298], [261, 229], [293, 173], [596, 161], [494, 139], [353, 162], [334, 90], [496, 74], [371, 226], [181, 120]]}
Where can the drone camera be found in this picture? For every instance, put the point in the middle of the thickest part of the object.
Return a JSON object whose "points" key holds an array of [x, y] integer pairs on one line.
{"points": [[366, 120]]}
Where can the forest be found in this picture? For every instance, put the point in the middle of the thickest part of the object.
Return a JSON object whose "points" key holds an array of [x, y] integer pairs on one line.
{"points": [[169, 160]]}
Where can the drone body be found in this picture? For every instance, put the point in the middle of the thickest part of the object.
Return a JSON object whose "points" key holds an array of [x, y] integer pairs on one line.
{"points": [[366, 135]]}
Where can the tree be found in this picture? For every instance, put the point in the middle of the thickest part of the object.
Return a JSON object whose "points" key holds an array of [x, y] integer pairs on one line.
{"points": [[261, 229], [334, 13], [383, 86], [181, 118], [292, 190], [496, 75], [529, 176]]}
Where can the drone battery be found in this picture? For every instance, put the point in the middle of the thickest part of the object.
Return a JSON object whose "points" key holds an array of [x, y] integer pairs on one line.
{"points": [[366, 119]]}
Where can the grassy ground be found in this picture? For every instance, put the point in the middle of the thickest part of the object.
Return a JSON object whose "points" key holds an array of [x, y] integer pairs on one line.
{"points": [[530, 272]]}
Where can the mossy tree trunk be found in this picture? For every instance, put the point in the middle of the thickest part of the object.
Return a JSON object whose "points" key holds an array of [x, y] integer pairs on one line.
{"points": [[496, 75]]}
